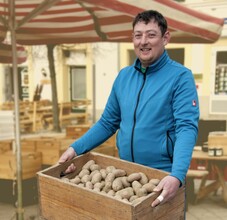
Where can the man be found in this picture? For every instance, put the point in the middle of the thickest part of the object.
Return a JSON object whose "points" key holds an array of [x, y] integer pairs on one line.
{"points": [[153, 105]]}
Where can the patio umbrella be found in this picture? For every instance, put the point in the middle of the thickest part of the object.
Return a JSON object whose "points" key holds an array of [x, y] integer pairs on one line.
{"points": [[33, 22], [6, 54], [78, 21]]}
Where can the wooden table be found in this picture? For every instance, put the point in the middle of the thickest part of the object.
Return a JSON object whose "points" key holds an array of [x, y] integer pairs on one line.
{"points": [[219, 163]]}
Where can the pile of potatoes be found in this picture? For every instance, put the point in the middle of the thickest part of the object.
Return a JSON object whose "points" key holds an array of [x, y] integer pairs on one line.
{"points": [[114, 182]]}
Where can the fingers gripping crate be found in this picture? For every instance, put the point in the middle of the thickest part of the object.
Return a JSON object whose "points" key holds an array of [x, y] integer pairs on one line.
{"points": [[65, 200]]}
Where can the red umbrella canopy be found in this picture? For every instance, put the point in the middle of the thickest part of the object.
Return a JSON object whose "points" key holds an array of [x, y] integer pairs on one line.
{"points": [[79, 21], [6, 54]]}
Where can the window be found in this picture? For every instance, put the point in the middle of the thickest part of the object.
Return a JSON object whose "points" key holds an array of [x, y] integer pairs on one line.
{"points": [[220, 81], [78, 82], [23, 82], [218, 99]]}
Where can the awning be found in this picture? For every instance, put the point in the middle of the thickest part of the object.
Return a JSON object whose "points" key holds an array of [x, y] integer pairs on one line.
{"points": [[6, 54], [75, 21]]}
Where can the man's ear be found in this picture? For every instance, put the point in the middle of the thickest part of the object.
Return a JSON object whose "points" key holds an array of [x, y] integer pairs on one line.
{"points": [[166, 38]]}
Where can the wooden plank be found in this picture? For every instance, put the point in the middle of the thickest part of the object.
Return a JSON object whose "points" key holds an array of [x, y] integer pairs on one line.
{"points": [[52, 148], [5, 145], [31, 164], [105, 149], [76, 131]]}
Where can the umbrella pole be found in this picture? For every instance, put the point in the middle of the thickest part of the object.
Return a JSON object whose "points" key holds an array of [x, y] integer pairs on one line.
{"points": [[19, 205]]}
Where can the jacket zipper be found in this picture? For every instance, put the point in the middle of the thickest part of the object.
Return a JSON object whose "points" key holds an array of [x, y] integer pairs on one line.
{"points": [[167, 147], [134, 117]]}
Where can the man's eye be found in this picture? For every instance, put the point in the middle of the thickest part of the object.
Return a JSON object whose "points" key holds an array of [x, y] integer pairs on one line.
{"points": [[138, 36], [151, 35]]}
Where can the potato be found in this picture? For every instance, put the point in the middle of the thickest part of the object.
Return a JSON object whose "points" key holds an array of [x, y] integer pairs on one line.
{"points": [[110, 169], [94, 172], [94, 167], [125, 193], [89, 185], [84, 172], [134, 176], [114, 182], [110, 177], [97, 177], [75, 180], [136, 185], [119, 172], [117, 184], [125, 200], [143, 179], [107, 187], [125, 181], [81, 184], [117, 197], [103, 173], [141, 192], [154, 181], [138, 200], [99, 185], [85, 178], [65, 179], [96, 189], [133, 198], [111, 193], [88, 164], [149, 187]]}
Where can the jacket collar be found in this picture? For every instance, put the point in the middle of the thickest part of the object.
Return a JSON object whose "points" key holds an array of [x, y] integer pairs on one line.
{"points": [[158, 64]]}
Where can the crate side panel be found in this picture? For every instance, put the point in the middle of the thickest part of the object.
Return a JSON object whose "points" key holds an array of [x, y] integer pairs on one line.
{"points": [[173, 209], [58, 198]]}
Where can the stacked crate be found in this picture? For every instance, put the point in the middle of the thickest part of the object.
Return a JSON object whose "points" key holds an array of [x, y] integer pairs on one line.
{"points": [[108, 147], [52, 148], [31, 164]]}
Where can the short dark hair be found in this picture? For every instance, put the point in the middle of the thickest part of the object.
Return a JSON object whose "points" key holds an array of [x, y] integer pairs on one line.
{"points": [[147, 16]]}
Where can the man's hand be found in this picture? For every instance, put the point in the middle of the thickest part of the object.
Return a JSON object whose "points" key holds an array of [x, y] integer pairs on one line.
{"points": [[168, 186], [66, 156]]}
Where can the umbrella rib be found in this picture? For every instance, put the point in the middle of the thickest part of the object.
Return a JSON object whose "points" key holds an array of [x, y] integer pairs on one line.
{"points": [[96, 22], [37, 11]]}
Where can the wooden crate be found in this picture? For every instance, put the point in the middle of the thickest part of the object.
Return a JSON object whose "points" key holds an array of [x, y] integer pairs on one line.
{"points": [[76, 131], [52, 148], [64, 200], [218, 140], [5, 145], [105, 149], [31, 164], [28, 145]]}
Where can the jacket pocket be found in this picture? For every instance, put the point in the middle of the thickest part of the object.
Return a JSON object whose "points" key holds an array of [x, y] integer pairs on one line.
{"points": [[170, 140]]}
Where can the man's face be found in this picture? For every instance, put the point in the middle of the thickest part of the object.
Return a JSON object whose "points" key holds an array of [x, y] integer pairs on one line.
{"points": [[148, 41]]}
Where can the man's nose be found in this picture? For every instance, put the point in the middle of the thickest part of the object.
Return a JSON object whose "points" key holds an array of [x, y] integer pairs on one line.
{"points": [[144, 39]]}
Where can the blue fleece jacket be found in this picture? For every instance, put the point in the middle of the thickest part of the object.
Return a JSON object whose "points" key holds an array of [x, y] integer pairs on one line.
{"points": [[156, 114]]}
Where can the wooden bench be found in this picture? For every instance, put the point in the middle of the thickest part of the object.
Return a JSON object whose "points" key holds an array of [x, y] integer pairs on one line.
{"points": [[74, 112], [190, 190]]}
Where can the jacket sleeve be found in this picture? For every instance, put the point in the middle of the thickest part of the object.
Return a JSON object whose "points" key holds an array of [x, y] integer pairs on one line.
{"points": [[186, 115], [104, 128]]}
